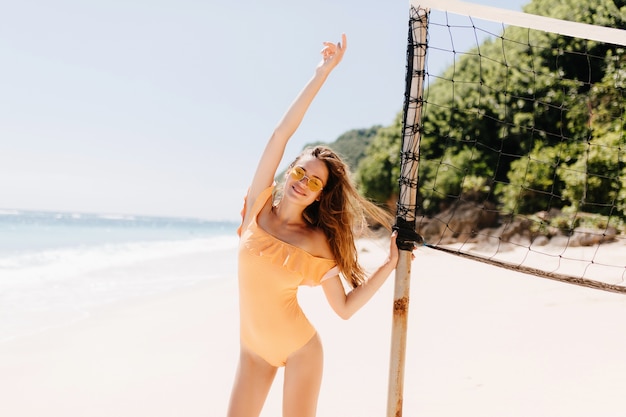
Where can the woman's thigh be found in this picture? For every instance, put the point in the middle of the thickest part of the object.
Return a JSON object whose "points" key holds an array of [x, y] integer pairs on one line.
{"points": [[303, 377], [252, 383]]}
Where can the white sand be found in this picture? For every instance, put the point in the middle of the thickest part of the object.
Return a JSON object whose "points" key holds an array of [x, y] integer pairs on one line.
{"points": [[482, 341]]}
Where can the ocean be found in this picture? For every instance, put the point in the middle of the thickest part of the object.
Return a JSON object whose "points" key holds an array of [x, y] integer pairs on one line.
{"points": [[56, 268]]}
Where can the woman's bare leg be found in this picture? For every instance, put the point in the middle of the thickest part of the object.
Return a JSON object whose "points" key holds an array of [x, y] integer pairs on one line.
{"points": [[252, 383], [303, 377]]}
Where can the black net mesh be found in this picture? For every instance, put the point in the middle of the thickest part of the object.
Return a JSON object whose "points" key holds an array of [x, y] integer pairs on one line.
{"points": [[515, 154]]}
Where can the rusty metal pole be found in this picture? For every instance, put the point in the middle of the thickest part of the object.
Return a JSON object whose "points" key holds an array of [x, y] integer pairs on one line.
{"points": [[398, 335], [407, 203]]}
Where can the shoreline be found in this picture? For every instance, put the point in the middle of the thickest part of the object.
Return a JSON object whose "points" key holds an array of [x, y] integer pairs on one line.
{"points": [[77, 283], [482, 341]]}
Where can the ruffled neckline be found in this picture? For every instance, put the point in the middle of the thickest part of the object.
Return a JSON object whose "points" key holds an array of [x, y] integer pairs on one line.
{"points": [[287, 244], [308, 267]]}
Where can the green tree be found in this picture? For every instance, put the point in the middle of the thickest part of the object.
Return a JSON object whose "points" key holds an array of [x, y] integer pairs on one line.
{"points": [[352, 145], [458, 174], [595, 179], [513, 110], [378, 172], [517, 94], [532, 180]]}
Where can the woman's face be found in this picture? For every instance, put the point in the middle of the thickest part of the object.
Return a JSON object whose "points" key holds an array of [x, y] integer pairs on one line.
{"points": [[300, 189]]}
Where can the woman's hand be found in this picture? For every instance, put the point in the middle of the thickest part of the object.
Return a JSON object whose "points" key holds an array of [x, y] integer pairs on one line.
{"points": [[332, 53], [345, 305], [394, 252], [393, 249]]}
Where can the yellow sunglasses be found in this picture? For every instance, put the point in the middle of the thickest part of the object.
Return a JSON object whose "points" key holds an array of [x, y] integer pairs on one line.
{"points": [[314, 184]]}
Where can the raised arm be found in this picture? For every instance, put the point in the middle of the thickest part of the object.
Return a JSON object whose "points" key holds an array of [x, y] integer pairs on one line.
{"points": [[273, 153]]}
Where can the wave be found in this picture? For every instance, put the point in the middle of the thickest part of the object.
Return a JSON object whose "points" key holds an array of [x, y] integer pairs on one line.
{"points": [[61, 285], [79, 259], [40, 231]]}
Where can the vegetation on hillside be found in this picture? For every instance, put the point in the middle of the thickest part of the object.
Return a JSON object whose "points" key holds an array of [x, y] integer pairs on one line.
{"points": [[531, 135], [352, 145]]}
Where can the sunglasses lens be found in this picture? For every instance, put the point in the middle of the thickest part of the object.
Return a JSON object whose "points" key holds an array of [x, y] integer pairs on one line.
{"points": [[297, 173], [314, 184]]}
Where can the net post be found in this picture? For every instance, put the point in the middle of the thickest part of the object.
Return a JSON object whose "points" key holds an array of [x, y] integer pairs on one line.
{"points": [[407, 202]]}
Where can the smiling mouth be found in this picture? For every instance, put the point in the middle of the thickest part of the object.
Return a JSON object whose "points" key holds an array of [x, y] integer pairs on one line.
{"points": [[298, 190]]}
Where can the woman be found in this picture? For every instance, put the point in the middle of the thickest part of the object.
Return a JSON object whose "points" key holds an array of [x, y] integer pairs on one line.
{"points": [[303, 236]]}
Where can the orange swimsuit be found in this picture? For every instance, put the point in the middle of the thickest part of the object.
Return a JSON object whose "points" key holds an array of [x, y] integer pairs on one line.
{"points": [[270, 271]]}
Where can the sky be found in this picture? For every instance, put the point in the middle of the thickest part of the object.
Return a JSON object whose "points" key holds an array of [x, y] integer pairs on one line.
{"points": [[162, 107]]}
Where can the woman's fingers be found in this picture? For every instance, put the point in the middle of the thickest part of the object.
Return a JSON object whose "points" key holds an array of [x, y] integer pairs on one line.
{"points": [[343, 45], [331, 50]]}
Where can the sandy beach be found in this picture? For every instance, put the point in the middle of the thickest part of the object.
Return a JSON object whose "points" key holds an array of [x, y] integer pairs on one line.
{"points": [[482, 341]]}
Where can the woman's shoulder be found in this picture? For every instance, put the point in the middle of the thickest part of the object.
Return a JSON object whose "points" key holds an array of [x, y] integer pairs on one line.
{"points": [[253, 203], [320, 242]]}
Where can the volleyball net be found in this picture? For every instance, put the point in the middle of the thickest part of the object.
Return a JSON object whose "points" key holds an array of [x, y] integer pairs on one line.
{"points": [[514, 143]]}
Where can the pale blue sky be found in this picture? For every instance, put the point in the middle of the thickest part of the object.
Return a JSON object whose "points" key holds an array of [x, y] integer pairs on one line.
{"points": [[162, 107]]}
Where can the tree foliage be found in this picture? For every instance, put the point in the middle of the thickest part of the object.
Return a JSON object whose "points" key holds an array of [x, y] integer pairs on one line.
{"points": [[352, 145], [530, 120], [378, 172]]}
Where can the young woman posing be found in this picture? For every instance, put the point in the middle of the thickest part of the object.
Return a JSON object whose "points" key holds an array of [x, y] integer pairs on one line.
{"points": [[300, 235]]}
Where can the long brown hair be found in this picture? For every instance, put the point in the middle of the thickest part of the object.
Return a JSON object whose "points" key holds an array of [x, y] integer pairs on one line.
{"points": [[342, 213]]}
